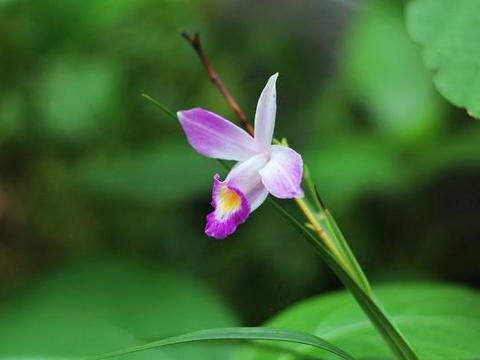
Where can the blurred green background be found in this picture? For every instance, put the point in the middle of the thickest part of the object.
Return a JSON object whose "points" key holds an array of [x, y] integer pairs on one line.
{"points": [[103, 202]]}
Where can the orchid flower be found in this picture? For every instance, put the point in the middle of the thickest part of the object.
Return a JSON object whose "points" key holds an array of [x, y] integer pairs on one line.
{"points": [[261, 169]]}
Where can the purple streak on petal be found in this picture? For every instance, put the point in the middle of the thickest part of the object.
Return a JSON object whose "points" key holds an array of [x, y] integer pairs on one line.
{"points": [[282, 176], [222, 224], [265, 114], [245, 177], [215, 137]]}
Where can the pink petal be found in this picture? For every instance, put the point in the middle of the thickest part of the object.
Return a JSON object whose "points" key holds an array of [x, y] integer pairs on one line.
{"points": [[213, 136], [245, 177], [265, 114], [282, 176]]}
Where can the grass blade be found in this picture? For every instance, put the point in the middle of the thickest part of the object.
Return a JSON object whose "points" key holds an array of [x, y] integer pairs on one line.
{"points": [[236, 333], [387, 329], [165, 109], [328, 222], [340, 239]]}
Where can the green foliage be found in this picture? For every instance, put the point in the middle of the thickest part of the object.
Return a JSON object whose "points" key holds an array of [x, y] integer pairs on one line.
{"points": [[352, 167], [106, 304], [87, 165], [238, 333], [441, 321], [383, 71], [11, 117], [449, 33], [151, 176], [382, 75], [77, 97], [353, 279]]}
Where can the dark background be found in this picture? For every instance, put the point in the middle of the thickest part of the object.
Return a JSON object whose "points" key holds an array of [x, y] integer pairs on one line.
{"points": [[91, 170]]}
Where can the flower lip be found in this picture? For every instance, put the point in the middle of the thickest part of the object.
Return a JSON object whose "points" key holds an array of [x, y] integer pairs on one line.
{"points": [[231, 209]]}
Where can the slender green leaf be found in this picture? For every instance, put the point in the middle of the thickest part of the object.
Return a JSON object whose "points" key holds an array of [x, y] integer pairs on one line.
{"points": [[329, 223], [237, 333], [386, 328], [165, 109], [307, 178]]}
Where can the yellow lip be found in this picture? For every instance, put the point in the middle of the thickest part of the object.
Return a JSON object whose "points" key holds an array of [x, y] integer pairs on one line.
{"points": [[228, 200]]}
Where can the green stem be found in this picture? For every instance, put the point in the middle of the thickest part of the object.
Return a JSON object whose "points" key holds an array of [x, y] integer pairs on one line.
{"points": [[326, 233], [326, 221], [361, 291]]}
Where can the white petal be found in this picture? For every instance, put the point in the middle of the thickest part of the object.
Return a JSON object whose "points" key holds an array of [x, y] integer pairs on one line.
{"points": [[265, 114], [282, 175], [246, 178]]}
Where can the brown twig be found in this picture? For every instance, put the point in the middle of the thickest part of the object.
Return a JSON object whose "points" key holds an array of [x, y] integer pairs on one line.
{"points": [[195, 42]]}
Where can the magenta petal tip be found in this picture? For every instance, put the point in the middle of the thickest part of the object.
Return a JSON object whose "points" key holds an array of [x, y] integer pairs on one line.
{"points": [[231, 209]]}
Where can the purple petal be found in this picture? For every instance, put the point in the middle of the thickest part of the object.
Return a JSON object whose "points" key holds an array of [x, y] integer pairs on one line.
{"points": [[265, 114], [282, 176], [213, 136], [230, 210], [245, 177]]}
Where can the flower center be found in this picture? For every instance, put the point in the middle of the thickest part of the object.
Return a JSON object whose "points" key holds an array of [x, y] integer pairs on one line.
{"points": [[228, 200]]}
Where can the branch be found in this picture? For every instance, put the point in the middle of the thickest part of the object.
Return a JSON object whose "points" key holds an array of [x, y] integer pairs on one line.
{"points": [[196, 44]]}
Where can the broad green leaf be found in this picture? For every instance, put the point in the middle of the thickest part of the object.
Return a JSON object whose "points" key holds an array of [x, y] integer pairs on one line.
{"points": [[156, 175], [104, 305], [442, 322], [238, 333], [383, 71], [449, 33]]}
